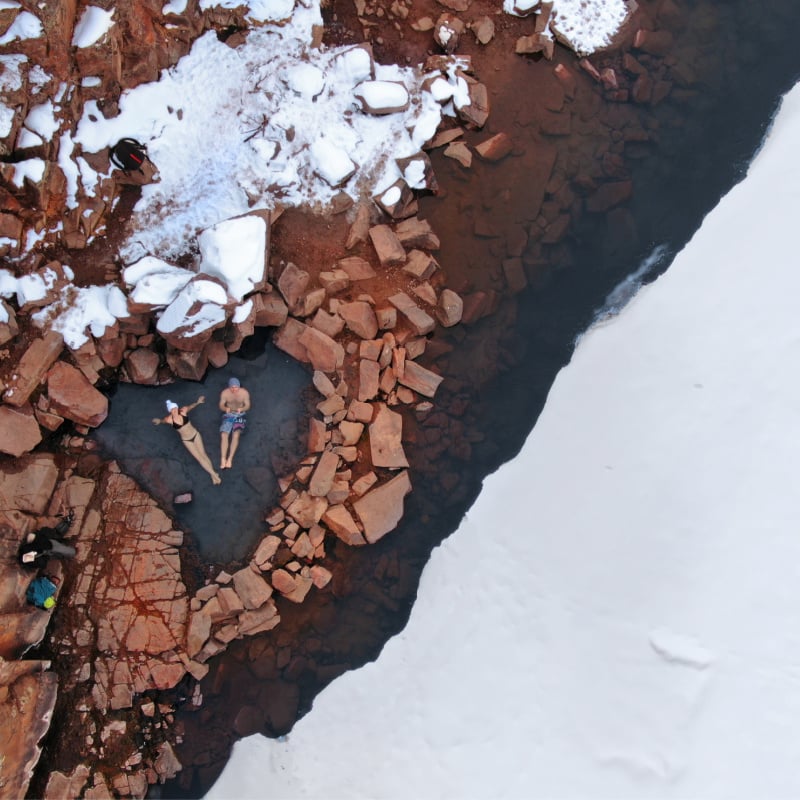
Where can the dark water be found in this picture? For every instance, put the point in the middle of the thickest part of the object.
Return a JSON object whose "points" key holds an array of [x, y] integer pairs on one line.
{"points": [[699, 140], [225, 521]]}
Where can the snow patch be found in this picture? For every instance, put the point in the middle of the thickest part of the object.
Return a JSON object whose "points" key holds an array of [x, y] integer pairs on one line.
{"points": [[235, 251], [32, 169], [679, 649], [93, 25], [25, 26]]}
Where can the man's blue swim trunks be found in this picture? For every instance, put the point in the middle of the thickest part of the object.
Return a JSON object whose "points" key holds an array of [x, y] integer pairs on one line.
{"points": [[232, 422]]}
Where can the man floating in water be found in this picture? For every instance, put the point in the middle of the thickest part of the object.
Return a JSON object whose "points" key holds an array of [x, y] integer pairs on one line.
{"points": [[234, 402]]}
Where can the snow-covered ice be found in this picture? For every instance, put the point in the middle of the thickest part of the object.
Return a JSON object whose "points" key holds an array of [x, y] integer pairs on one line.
{"points": [[618, 614]]}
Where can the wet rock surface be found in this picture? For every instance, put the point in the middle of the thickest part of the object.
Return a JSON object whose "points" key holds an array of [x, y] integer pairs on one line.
{"points": [[162, 661]]}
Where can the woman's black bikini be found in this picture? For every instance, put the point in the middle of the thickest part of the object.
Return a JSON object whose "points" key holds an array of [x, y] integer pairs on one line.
{"points": [[183, 424]]}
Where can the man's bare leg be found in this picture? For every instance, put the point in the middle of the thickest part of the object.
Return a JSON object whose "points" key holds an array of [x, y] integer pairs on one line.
{"points": [[234, 445], [223, 450]]}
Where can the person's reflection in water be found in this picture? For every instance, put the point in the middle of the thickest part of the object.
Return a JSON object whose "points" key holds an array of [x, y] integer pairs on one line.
{"points": [[178, 418]]}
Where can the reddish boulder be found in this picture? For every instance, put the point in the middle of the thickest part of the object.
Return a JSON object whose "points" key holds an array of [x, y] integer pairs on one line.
{"points": [[19, 430], [142, 366], [73, 397]]}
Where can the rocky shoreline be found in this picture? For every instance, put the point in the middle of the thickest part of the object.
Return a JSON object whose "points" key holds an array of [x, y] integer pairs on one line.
{"points": [[134, 633]]}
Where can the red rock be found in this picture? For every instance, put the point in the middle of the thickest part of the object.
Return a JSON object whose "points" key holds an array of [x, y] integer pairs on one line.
{"points": [[307, 510], [368, 379], [387, 246], [370, 349], [302, 546], [477, 112], [334, 281], [322, 352], [323, 384], [253, 590], [37, 359], [420, 380], [142, 366], [460, 152], [359, 411], [341, 522], [259, 620], [417, 233], [330, 324], [425, 292], [421, 322], [189, 365], [282, 581], [449, 309], [420, 265], [320, 576], [351, 432], [292, 284], [271, 310], [331, 405], [381, 509], [397, 204], [19, 430], [365, 482], [357, 269], [359, 318], [495, 148], [386, 439], [317, 435], [446, 32], [309, 302], [358, 231], [535, 43], [266, 550], [197, 633], [9, 329], [322, 479], [230, 603], [73, 397], [386, 316]]}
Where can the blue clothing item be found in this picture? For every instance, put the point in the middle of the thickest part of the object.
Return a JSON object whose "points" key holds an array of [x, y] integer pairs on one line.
{"points": [[232, 422], [40, 591]]}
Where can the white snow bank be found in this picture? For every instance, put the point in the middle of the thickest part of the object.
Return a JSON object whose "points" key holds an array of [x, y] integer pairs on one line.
{"points": [[617, 615], [232, 130], [25, 26], [381, 96], [174, 7], [11, 75], [92, 308], [331, 163], [31, 168], [159, 289], [6, 120], [196, 308], [588, 26], [93, 25], [235, 252], [257, 10], [41, 119]]}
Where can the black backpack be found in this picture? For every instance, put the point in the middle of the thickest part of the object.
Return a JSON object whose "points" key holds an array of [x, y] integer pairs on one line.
{"points": [[128, 154]]}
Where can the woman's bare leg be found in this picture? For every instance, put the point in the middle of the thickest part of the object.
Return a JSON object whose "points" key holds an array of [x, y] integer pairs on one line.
{"points": [[196, 448]]}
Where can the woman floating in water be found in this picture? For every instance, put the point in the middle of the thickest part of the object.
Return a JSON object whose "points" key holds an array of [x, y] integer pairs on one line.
{"points": [[190, 436]]}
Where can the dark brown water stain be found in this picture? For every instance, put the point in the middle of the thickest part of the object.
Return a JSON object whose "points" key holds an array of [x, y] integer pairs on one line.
{"points": [[680, 155]]}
